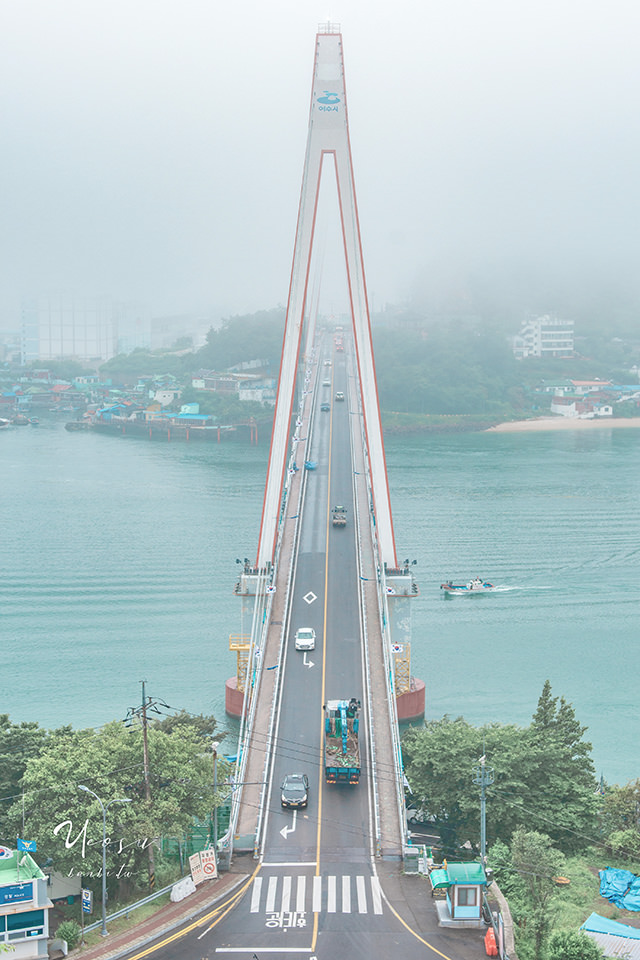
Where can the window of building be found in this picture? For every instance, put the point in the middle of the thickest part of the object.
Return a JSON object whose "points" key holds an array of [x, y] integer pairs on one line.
{"points": [[20, 926], [467, 896]]}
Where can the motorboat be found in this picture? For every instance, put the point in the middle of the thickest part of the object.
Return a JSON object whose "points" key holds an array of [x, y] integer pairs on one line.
{"points": [[475, 586]]}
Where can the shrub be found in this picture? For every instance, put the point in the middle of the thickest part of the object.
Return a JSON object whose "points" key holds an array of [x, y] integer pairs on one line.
{"points": [[573, 945], [70, 931]]}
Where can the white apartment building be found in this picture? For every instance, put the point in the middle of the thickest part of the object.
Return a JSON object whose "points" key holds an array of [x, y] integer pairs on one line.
{"points": [[544, 336]]}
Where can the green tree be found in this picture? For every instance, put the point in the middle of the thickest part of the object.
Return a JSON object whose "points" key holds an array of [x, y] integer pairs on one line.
{"points": [[562, 791], [543, 775], [573, 945], [537, 863], [204, 726], [62, 369], [256, 336], [67, 823], [19, 742], [620, 808], [525, 872]]}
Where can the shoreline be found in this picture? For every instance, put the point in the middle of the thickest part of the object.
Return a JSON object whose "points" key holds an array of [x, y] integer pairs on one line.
{"points": [[562, 423]]}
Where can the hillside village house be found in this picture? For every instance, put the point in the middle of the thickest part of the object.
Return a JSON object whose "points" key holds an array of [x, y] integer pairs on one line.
{"points": [[246, 386]]}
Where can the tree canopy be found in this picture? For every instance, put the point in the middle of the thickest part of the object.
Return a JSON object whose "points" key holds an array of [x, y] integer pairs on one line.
{"points": [[67, 822], [573, 945], [543, 776], [526, 872], [256, 336]]}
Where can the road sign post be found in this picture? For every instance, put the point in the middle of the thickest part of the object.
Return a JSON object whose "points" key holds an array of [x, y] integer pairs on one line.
{"points": [[87, 907]]}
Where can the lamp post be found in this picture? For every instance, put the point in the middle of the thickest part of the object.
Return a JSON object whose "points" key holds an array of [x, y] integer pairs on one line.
{"points": [[214, 747], [104, 809]]}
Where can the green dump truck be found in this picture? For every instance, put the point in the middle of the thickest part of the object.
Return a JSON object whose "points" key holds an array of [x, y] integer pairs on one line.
{"points": [[341, 747]]}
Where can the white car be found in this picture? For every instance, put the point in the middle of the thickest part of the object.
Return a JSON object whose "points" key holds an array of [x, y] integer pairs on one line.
{"points": [[305, 638], [326, 383]]}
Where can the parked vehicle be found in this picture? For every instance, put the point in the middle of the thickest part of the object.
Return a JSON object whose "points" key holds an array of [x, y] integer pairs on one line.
{"points": [[341, 746]]}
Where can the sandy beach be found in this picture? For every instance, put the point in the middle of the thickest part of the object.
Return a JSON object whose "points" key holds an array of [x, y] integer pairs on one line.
{"points": [[564, 423]]}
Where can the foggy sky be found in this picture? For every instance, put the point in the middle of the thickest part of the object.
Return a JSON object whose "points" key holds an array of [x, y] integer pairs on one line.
{"points": [[152, 150]]}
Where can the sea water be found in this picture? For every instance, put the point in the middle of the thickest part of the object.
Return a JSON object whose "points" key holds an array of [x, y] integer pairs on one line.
{"points": [[119, 557]]}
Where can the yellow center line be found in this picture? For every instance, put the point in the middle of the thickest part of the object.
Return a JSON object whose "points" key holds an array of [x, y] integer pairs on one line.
{"points": [[413, 933], [226, 907], [324, 661]]}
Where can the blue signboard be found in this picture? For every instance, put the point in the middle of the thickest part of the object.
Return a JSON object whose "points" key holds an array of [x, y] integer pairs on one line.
{"points": [[87, 901], [16, 893]]}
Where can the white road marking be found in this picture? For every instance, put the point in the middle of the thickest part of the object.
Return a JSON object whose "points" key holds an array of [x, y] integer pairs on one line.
{"points": [[286, 895], [255, 894], [331, 894], [376, 895], [271, 894], [346, 894], [300, 894], [362, 896], [317, 895]]}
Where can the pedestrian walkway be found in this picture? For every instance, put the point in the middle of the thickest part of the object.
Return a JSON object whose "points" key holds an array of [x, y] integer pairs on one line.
{"points": [[167, 918]]}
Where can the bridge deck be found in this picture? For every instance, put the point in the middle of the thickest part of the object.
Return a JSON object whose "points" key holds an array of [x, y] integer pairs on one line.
{"points": [[380, 743]]}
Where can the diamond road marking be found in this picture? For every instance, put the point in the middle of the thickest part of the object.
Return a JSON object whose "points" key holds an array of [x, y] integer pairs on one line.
{"points": [[309, 597]]}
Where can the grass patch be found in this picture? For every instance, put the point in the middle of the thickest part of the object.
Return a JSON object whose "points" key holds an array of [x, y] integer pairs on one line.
{"points": [[396, 422], [123, 924], [582, 897]]}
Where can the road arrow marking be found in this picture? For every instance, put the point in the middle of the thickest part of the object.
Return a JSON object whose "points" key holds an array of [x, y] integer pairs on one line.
{"points": [[292, 829], [307, 663]]}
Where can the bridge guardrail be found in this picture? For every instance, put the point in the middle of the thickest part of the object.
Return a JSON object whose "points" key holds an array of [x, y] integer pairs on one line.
{"points": [[363, 610], [386, 645]]}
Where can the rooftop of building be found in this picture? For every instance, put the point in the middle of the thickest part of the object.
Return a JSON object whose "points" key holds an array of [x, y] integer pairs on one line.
{"points": [[18, 867]]}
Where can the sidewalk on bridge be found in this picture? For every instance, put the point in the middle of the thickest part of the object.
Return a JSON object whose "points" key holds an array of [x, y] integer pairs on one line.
{"points": [[163, 921]]}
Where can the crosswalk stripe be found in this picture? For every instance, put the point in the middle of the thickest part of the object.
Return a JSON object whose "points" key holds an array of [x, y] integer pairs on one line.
{"points": [[346, 894], [271, 894], [331, 894], [291, 894], [362, 895], [255, 894], [300, 893], [286, 894], [376, 895], [317, 895]]}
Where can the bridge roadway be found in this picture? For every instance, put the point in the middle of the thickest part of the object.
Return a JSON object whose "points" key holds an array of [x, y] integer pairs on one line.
{"points": [[321, 886], [333, 590]]}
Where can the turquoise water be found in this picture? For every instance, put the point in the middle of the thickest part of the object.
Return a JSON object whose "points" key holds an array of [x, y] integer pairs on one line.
{"points": [[118, 565]]}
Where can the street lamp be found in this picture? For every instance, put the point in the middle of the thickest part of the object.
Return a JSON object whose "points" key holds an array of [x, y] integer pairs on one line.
{"points": [[214, 747], [104, 809]]}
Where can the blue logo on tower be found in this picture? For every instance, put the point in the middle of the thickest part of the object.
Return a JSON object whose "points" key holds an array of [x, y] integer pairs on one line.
{"points": [[330, 101]]}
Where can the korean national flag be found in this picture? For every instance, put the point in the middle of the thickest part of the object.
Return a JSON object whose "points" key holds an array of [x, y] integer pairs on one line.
{"points": [[28, 845]]}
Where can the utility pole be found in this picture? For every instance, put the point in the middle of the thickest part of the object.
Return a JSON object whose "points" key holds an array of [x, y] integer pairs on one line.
{"points": [[147, 790], [141, 713], [483, 777], [214, 747]]}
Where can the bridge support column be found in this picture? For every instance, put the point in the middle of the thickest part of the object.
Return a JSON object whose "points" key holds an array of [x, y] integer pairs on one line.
{"points": [[233, 698], [252, 587], [409, 691]]}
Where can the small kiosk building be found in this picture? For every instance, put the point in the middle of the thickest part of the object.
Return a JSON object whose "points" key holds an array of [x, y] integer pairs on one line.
{"points": [[464, 884]]}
